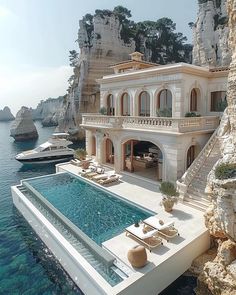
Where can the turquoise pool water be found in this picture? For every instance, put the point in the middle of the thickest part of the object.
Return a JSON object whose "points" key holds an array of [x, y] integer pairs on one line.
{"points": [[99, 214]]}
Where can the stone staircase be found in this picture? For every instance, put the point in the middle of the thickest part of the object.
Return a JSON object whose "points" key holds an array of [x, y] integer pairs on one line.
{"points": [[192, 185]]}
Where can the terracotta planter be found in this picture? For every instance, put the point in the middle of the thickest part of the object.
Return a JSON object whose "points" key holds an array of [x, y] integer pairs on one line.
{"points": [[168, 203], [137, 256]]}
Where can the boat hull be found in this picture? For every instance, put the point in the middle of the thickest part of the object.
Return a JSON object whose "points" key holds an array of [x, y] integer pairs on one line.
{"points": [[45, 160]]}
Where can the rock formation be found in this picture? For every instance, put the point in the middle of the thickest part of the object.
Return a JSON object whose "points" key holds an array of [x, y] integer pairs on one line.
{"points": [[219, 275], [100, 46], [48, 111], [23, 127], [6, 115], [210, 34]]}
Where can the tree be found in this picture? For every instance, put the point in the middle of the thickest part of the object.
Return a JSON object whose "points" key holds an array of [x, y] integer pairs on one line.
{"points": [[73, 57]]}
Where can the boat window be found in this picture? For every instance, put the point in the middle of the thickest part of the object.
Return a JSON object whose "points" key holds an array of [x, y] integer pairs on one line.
{"points": [[38, 149]]}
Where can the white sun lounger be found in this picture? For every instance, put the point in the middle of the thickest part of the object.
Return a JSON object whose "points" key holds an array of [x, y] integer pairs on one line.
{"points": [[148, 239], [167, 230], [109, 179]]}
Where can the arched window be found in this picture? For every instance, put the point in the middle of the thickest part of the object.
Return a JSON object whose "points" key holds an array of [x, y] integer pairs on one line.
{"points": [[144, 104], [164, 103], [193, 101], [125, 104], [110, 105]]}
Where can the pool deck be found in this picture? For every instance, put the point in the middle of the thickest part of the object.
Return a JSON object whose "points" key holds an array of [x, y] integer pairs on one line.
{"points": [[168, 261]]}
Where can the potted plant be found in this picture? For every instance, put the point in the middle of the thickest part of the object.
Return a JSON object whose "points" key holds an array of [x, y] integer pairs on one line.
{"points": [[169, 195], [80, 154]]}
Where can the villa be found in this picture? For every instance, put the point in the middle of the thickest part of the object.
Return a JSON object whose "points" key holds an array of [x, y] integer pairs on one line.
{"points": [[146, 128], [156, 123]]}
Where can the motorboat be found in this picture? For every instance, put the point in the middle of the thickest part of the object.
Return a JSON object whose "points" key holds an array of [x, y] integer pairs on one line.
{"points": [[54, 150]]}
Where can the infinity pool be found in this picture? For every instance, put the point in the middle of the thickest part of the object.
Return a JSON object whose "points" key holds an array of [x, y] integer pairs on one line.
{"points": [[99, 214]]}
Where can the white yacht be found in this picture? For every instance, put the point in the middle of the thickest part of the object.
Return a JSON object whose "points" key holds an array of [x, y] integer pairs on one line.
{"points": [[54, 150]]}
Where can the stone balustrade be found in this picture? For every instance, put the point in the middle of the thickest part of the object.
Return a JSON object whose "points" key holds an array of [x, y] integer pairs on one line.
{"points": [[178, 125]]}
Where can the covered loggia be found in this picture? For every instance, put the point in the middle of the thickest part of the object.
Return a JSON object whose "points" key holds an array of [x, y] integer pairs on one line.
{"points": [[143, 158]]}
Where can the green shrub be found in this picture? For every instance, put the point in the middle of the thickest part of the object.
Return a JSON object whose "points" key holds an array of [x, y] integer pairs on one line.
{"points": [[168, 189], [164, 112], [192, 114], [103, 111], [80, 154], [225, 171]]}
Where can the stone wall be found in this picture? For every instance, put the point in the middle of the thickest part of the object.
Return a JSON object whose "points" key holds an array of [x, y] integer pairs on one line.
{"points": [[210, 34]]}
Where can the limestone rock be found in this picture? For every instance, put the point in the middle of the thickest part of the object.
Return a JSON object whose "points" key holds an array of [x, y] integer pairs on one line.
{"points": [[218, 276], [99, 48], [210, 34], [6, 115], [23, 127], [48, 111]]}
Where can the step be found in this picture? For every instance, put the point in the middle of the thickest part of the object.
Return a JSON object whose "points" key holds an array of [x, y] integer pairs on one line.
{"points": [[197, 203], [197, 194], [203, 200], [195, 206]]}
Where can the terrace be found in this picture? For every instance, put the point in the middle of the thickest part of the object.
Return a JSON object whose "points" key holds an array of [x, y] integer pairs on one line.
{"points": [[158, 124]]}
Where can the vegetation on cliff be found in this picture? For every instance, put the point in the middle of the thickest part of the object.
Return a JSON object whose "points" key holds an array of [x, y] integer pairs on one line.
{"points": [[159, 38]]}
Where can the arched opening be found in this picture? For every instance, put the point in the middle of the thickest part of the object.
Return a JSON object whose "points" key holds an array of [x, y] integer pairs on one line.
{"points": [[144, 104], [110, 105], [125, 104], [193, 101], [143, 158], [109, 151], [164, 103], [93, 146], [192, 153]]}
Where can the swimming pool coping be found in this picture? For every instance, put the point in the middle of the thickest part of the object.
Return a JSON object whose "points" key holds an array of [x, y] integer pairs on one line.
{"points": [[103, 254]]}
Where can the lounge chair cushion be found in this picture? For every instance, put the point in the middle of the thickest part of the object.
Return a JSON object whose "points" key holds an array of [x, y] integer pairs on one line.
{"points": [[138, 232], [154, 222]]}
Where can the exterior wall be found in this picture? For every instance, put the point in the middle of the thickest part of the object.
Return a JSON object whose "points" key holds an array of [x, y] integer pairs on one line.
{"points": [[174, 148], [179, 84]]}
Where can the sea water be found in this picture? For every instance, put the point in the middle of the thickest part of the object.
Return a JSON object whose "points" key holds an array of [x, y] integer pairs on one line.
{"points": [[27, 267]]}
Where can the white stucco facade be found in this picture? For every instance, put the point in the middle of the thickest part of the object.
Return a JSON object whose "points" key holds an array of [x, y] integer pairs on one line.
{"points": [[187, 88]]}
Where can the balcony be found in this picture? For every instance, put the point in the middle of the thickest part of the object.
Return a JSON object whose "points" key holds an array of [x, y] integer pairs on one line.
{"points": [[159, 124]]}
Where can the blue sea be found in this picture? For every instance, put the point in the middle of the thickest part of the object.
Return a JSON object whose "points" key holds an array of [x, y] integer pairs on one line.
{"points": [[26, 265]]}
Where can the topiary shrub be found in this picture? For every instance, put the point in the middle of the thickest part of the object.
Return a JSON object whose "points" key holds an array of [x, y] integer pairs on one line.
{"points": [[192, 114], [225, 171]]}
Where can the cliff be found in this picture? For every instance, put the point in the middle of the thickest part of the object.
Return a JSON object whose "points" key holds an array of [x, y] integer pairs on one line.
{"points": [[219, 275], [6, 115], [23, 127], [100, 46], [210, 34], [48, 111]]}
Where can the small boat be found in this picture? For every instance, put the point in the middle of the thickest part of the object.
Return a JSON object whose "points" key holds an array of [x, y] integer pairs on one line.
{"points": [[54, 150]]}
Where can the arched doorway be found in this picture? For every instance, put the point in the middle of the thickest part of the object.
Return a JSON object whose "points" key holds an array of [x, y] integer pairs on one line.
{"points": [[164, 103], [192, 153], [93, 146], [109, 148], [193, 101], [144, 104], [110, 105], [125, 104], [143, 158]]}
